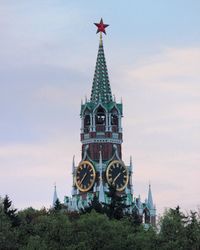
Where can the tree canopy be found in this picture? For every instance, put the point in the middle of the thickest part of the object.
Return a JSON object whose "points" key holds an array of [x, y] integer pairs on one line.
{"points": [[58, 228]]}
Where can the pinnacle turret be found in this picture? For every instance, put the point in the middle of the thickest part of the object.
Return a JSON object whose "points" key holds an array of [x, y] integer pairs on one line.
{"points": [[150, 199], [101, 90], [55, 196]]}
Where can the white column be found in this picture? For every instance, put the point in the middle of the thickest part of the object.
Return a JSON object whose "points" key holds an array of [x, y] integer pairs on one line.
{"points": [[94, 125], [107, 120], [82, 124], [120, 123], [91, 122]]}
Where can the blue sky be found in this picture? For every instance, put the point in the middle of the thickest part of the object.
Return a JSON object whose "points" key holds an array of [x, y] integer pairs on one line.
{"points": [[47, 57]]}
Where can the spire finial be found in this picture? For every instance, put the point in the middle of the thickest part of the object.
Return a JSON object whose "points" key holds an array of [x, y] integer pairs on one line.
{"points": [[101, 27], [101, 40], [101, 87]]}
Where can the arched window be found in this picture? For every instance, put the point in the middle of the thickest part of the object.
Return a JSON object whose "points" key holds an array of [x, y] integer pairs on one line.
{"points": [[146, 216], [114, 120], [100, 119], [100, 116], [86, 123]]}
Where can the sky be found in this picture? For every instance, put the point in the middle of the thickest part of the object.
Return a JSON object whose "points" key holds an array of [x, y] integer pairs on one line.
{"points": [[48, 52]]}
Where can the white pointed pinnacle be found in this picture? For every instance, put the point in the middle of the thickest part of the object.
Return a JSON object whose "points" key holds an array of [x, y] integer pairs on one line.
{"points": [[130, 159], [55, 196], [73, 164], [131, 163], [150, 199]]}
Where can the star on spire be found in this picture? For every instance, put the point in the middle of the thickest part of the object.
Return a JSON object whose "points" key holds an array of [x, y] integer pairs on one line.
{"points": [[101, 27]]}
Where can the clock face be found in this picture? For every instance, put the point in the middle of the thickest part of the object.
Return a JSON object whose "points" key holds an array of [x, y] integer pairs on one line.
{"points": [[85, 176], [117, 175]]}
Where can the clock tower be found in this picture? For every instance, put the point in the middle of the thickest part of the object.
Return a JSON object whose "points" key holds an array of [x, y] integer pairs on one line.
{"points": [[101, 163]]}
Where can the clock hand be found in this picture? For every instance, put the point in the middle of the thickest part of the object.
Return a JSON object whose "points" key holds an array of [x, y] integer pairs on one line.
{"points": [[116, 178], [83, 178]]}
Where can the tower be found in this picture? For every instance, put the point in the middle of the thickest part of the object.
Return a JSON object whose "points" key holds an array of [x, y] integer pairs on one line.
{"points": [[101, 136]]}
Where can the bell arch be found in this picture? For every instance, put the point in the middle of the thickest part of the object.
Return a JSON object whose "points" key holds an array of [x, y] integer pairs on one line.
{"points": [[86, 121], [100, 118], [115, 120]]}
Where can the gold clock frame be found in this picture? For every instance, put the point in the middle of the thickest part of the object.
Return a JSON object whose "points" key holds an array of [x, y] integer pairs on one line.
{"points": [[94, 176], [125, 167]]}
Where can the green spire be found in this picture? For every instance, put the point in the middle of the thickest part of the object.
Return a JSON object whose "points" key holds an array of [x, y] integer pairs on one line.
{"points": [[101, 90]]}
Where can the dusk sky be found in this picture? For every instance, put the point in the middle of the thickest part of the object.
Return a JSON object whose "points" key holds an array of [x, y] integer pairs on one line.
{"points": [[48, 53]]}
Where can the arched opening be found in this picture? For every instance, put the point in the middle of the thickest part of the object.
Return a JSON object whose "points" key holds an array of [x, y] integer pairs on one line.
{"points": [[100, 119], [146, 216], [137, 218], [87, 123], [114, 120]]}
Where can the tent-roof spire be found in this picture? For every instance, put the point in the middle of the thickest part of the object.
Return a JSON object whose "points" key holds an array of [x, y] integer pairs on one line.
{"points": [[101, 86], [150, 199]]}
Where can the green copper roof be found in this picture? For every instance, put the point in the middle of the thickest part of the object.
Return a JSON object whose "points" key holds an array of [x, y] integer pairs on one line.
{"points": [[101, 90], [108, 106]]}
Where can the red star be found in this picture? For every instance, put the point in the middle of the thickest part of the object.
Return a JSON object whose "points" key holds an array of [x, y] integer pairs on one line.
{"points": [[101, 26]]}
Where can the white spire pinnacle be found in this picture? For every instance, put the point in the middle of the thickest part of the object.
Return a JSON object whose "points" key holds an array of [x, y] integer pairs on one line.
{"points": [[73, 164], [150, 199], [74, 191], [131, 164], [55, 196]]}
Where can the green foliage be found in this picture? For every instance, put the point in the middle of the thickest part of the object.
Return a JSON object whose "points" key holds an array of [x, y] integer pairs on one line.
{"points": [[58, 205], [193, 232], [116, 208], [9, 211], [172, 232], [8, 239], [49, 230], [94, 205]]}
